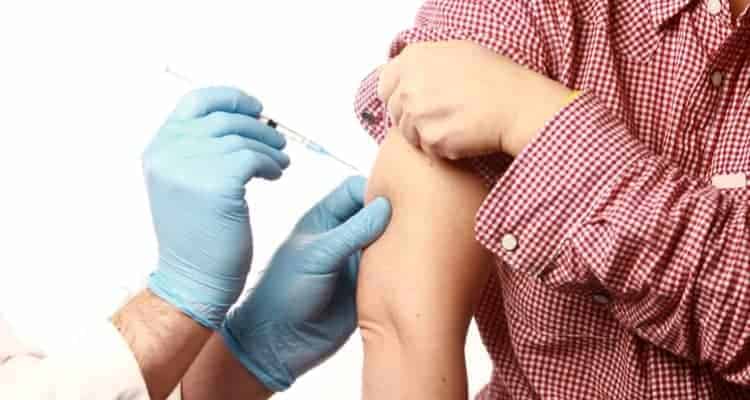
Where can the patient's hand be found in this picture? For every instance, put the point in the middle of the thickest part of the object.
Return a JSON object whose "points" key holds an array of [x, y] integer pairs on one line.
{"points": [[457, 99], [419, 282]]}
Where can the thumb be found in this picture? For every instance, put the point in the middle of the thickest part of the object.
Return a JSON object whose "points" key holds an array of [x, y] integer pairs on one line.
{"points": [[357, 232]]}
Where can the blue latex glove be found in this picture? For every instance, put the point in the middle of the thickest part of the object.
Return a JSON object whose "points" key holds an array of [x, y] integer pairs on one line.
{"points": [[303, 309], [196, 169]]}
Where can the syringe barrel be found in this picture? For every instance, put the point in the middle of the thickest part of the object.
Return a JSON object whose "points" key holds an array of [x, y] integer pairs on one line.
{"points": [[316, 147]]}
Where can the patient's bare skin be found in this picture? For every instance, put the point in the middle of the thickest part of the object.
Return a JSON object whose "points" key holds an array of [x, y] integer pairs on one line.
{"points": [[419, 282]]}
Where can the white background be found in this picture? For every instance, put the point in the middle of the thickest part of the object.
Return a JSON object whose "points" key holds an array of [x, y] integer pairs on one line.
{"points": [[82, 91]]}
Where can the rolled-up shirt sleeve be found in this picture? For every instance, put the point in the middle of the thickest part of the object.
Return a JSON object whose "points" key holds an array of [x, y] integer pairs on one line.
{"points": [[587, 207], [96, 364]]}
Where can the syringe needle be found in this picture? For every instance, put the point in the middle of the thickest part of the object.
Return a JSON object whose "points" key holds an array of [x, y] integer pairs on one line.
{"points": [[293, 135], [355, 169], [177, 75]]}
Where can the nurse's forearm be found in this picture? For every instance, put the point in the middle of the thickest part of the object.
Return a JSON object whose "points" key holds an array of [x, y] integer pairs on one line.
{"points": [[419, 282], [163, 339], [216, 374]]}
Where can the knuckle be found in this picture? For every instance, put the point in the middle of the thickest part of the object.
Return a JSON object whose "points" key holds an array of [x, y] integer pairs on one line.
{"points": [[442, 147], [252, 160], [413, 140], [408, 114], [248, 157], [430, 141], [412, 136], [245, 165], [220, 121], [193, 103], [234, 141], [360, 235], [366, 226]]}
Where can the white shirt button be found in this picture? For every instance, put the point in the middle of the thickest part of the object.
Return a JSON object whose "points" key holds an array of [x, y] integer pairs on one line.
{"points": [[714, 7], [717, 78], [601, 299], [730, 181], [509, 242]]}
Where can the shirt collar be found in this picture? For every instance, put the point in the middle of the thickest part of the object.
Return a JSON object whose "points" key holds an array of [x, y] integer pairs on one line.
{"points": [[664, 10]]}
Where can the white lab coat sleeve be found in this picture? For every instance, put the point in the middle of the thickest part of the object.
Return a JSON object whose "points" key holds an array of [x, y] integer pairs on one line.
{"points": [[97, 364]]}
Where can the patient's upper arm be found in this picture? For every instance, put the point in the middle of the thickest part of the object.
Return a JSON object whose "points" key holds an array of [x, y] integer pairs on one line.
{"points": [[419, 282]]}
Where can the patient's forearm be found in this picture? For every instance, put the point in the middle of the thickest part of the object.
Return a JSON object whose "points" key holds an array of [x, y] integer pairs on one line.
{"points": [[419, 282]]}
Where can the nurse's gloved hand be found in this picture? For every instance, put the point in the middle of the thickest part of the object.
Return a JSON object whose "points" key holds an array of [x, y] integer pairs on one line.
{"points": [[196, 169], [303, 309]]}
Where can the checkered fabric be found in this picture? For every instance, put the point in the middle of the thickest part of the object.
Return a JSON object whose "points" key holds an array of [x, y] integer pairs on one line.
{"points": [[621, 271]]}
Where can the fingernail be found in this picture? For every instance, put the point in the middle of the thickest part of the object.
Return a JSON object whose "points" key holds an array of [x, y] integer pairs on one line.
{"points": [[285, 160], [382, 202], [282, 141]]}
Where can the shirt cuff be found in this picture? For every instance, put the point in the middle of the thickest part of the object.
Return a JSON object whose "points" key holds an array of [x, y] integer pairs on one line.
{"points": [[549, 190], [96, 364]]}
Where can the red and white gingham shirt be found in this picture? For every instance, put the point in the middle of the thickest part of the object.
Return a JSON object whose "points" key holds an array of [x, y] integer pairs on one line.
{"points": [[622, 271]]}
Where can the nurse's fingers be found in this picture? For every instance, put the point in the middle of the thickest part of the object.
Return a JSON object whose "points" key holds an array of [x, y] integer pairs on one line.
{"points": [[204, 101]]}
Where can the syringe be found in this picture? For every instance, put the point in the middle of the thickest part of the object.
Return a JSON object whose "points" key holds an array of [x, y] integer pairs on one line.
{"points": [[289, 134]]}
